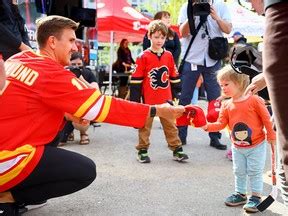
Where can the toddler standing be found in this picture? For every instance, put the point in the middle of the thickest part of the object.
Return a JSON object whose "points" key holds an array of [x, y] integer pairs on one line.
{"points": [[246, 117]]}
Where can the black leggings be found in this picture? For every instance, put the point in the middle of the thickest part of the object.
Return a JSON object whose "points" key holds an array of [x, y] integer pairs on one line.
{"points": [[59, 172]]}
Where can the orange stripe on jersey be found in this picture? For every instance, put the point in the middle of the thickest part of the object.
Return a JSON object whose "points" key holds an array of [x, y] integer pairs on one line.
{"points": [[105, 109], [86, 105], [13, 162]]}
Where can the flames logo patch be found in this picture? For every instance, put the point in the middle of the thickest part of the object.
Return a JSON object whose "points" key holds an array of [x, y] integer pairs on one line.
{"points": [[159, 78]]}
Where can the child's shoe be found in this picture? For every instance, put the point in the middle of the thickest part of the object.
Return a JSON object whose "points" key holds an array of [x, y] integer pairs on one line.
{"points": [[236, 199], [179, 155], [143, 156], [229, 154], [251, 205]]}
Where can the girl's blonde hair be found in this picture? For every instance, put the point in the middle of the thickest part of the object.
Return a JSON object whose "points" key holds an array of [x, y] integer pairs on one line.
{"points": [[227, 73]]}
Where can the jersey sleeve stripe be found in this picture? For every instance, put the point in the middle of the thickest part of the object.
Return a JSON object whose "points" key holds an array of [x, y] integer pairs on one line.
{"points": [[175, 81], [94, 111], [105, 110], [136, 81], [85, 106]]}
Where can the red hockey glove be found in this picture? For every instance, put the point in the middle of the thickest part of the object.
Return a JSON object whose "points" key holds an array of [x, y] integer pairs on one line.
{"points": [[193, 115], [213, 110]]}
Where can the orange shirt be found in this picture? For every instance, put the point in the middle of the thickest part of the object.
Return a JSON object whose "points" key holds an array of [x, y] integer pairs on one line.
{"points": [[246, 121]]}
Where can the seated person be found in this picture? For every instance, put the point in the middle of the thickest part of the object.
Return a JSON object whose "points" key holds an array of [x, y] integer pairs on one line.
{"points": [[88, 77], [122, 65]]}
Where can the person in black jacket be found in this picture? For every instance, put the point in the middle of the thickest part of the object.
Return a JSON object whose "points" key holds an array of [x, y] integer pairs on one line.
{"points": [[172, 43], [87, 76], [14, 37]]}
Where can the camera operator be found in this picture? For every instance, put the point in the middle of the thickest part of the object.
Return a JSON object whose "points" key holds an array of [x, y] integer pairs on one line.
{"points": [[218, 21], [86, 75]]}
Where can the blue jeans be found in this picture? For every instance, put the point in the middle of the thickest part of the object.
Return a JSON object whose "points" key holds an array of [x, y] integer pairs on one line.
{"points": [[189, 79], [249, 163]]}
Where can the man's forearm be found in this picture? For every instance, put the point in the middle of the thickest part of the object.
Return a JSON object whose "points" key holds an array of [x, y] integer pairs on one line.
{"points": [[184, 29], [225, 26]]}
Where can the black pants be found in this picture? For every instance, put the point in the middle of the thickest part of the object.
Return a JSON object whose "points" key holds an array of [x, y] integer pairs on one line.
{"points": [[66, 131], [59, 172]]}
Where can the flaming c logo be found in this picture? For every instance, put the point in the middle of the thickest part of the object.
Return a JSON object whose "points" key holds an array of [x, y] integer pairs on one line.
{"points": [[159, 77]]}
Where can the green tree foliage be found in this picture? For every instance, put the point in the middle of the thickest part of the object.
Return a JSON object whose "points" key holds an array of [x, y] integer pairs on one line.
{"points": [[172, 6]]}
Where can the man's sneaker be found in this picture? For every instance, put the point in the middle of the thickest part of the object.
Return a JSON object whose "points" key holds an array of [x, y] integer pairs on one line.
{"points": [[24, 208], [236, 199], [143, 156], [214, 142], [179, 155], [251, 205], [8, 209]]}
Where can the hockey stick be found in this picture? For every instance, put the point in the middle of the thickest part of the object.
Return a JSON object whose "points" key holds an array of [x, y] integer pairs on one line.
{"points": [[273, 195]]}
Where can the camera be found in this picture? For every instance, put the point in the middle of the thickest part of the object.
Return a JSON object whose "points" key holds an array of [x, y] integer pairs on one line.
{"points": [[76, 70], [201, 7]]}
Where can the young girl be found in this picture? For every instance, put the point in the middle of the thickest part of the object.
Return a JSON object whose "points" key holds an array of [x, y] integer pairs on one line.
{"points": [[246, 116]]}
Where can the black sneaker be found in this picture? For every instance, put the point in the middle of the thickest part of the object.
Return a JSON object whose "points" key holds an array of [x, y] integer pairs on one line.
{"points": [[214, 142], [24, 208], [179, 155], [8, 209], [143, 156]]}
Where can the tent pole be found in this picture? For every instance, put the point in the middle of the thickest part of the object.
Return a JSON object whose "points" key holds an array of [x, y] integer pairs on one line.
{"points": [[111, 61]]}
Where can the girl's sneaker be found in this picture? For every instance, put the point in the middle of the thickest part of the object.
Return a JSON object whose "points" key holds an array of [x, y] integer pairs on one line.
{"points": [[251, 205], [229, 154], [236, 199]]}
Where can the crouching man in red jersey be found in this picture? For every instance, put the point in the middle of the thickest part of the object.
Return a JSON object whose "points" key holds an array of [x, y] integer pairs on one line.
{"points": [[38, 92]]}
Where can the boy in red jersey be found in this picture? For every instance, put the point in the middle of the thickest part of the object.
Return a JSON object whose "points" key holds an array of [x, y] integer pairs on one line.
{"points": [[38, 92], [156, 79]]}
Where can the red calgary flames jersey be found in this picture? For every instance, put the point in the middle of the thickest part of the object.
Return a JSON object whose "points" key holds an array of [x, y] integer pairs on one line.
{"points": [[37, 94], [155, 74]]}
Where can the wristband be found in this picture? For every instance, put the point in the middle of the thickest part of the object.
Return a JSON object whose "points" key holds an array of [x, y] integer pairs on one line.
{"points": [[152, 111]]}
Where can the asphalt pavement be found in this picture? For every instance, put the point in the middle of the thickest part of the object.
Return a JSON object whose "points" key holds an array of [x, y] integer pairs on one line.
{"points": [[125, 187]]}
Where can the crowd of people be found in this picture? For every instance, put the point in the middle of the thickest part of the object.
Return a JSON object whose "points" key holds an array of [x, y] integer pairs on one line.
{"points": [[53, 86]]}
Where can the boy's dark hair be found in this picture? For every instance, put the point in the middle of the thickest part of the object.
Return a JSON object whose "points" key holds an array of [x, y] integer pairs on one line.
{"points": [[52, 26], [160, 14], [155, 26], [76, 55]]}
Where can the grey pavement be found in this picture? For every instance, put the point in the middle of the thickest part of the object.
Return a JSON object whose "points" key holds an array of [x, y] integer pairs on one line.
{"points": [[124, 187]]}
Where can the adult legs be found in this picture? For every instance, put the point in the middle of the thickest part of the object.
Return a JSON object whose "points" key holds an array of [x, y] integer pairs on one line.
{"points": [[275, 69], [213, 92], [59, 172], [66, 131], [188, 79]]}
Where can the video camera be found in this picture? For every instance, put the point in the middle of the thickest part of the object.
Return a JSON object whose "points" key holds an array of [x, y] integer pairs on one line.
{"points": [[201, 7], [76, 70]]}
